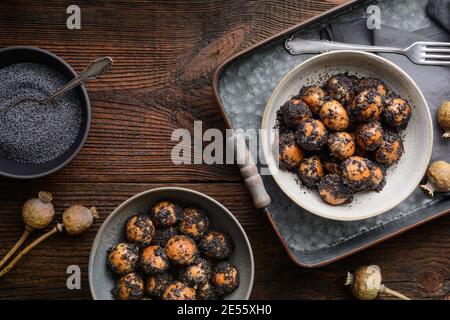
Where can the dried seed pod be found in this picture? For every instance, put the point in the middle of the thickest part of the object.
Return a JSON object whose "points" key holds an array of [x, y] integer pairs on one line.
{"points": [[78, 219], [37, 213], [438, 175], [444, 118], [366, 284]]}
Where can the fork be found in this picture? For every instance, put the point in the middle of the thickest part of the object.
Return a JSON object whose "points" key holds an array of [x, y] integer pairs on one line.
{"points": [[427, 53]]}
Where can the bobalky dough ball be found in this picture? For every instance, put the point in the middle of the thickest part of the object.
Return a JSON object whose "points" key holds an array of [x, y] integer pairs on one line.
{"points": [[295, 111], [311, 135], [216, 245], [311, 171], [367, 106], [377, 178], [356, 172], [162, 235], [181, 250], [334, 116], [341, 145], [194, 223], [206, 291], [154, 260], [290, 152], [373, 84], [140, 230], [165, 213], [390, 149], [123, 258], [340, 87], [197, 273], [369, 135], [156, 284], [397, 113], [333, 190], [179, 291], [130, 287], [225, 277], [313, 97]]}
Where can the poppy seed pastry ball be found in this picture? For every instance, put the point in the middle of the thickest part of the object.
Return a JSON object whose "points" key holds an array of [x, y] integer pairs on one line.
{"points": [[397, 113], [140, 230], [334, 116], [129, 287], [313, 97], [373, 84], [156, 284], [341, 145], [356, 172], [194, 223], [378, 180], [340, 87], [181, 250], [206, 291], [225, 277], [367, 106], [216, 245], [162, 235], [197, 273], [334, 191], [165, 213], [290, 152], [390, 150], [178, 291], [123, 258], [369, 135], [311, 135], [311, 171], [295, 111], [154, 260]]}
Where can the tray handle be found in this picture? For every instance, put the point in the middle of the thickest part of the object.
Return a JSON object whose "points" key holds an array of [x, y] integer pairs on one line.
{"points": [[249, 172]]}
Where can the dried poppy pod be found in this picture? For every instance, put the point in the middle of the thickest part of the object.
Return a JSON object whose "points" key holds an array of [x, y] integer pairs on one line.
{"points": [[366, 284], [179, 291], [334, 116], [390, 150], [313, 96], [443, 118], [356, 172], [334, 191], [438, 178], [290, 152], [129, 287], [311, 171], [367, 106], [123, 258], [295, 111], [340, 87], [37, 213], [369, 135], [311, 135], [373, 84], [341, 145], [397, 113]]}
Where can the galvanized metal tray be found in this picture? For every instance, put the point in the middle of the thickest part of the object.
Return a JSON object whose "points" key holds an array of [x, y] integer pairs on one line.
{"points": [[242, 86]]}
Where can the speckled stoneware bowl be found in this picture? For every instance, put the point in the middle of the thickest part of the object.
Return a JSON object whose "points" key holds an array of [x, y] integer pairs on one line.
{"points": [[402, 178], [101, 280]]}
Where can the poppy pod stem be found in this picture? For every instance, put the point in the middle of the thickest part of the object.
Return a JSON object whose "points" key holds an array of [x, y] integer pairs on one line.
{"points": [[57, 228], [386, 290], [19, 242]]}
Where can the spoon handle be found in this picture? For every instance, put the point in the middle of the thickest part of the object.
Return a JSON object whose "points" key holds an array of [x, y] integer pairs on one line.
{"points": [[92, 71]]}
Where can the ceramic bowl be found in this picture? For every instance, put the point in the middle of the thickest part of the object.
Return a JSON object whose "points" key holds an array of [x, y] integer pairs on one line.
{"points": [[402, 178], [16, 170], [101, 280]]}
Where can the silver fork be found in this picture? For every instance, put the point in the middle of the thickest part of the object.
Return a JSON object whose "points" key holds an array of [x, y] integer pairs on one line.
{"points": [[427, 53]]}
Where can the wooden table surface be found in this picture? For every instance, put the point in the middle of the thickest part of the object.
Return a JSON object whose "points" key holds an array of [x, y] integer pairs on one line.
{"points": [[165, 53]]}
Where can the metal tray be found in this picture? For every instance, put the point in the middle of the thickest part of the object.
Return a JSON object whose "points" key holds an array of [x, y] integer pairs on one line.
{"points": [[242, 86]]}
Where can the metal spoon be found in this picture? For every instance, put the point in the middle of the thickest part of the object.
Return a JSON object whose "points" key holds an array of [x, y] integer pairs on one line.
{"points": [[92, 71]]}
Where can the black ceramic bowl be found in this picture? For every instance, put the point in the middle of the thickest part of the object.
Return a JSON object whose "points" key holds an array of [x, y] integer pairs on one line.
{"points": [[19, 54]]}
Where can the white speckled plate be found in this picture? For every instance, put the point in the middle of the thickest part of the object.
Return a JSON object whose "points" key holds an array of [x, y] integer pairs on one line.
{"points": [[402, 179]]}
